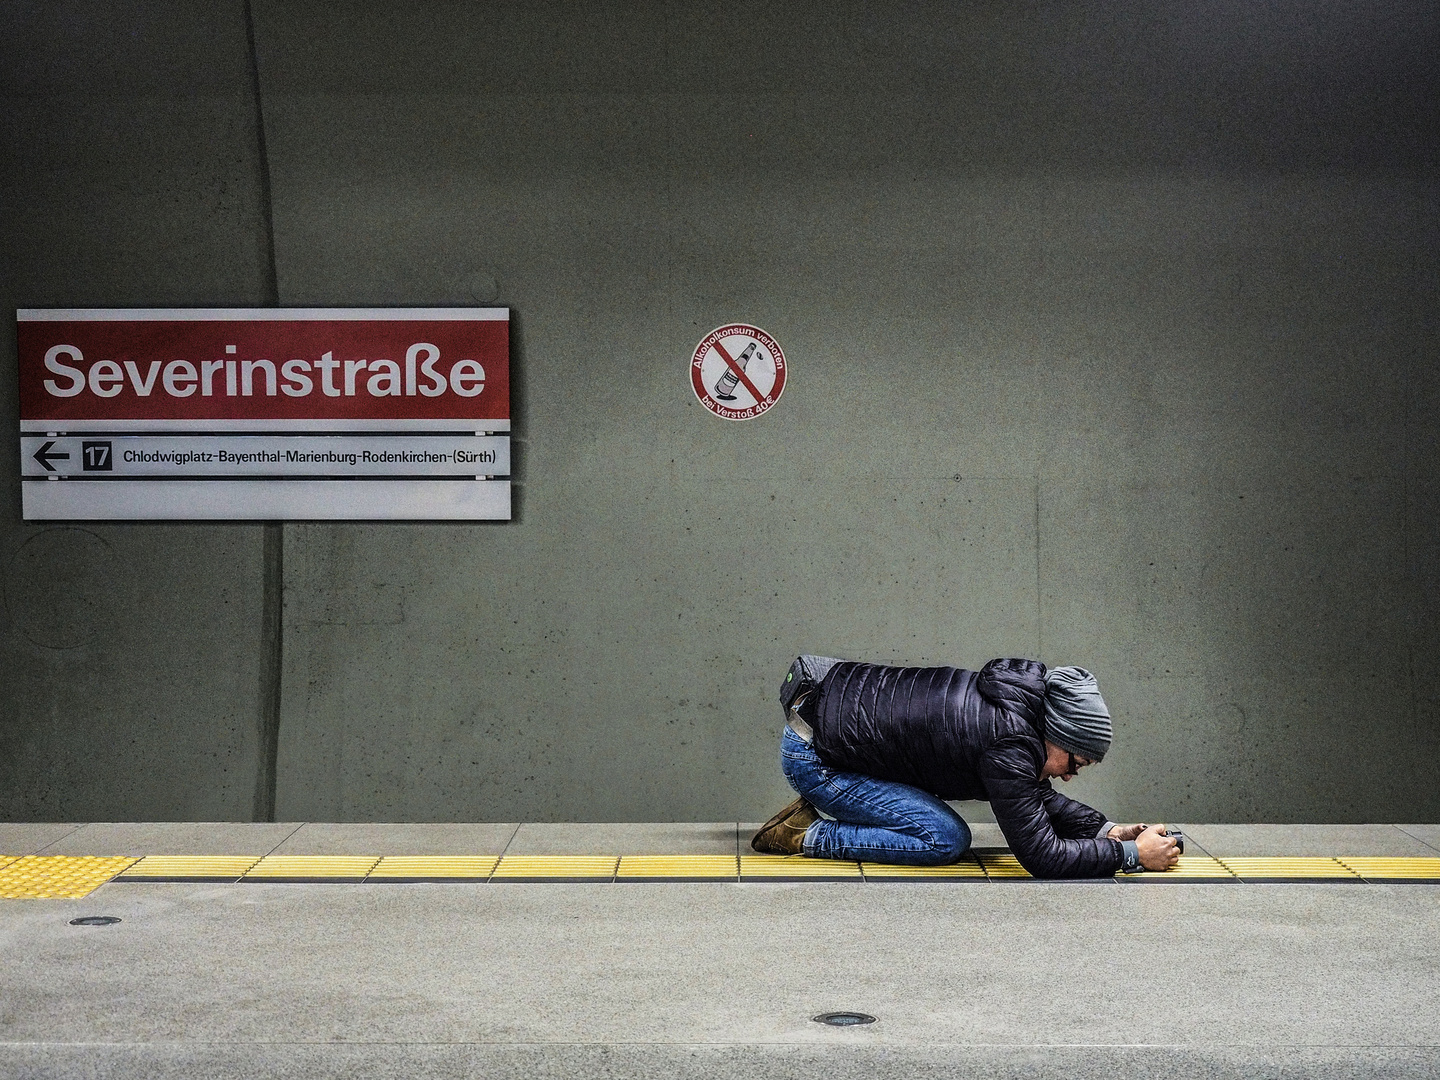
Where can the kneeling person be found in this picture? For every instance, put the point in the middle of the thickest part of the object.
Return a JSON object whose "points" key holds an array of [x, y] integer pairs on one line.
{"points": [[879, 748]]}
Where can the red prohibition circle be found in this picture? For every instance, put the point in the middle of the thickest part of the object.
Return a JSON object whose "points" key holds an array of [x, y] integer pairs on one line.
{"points": [[738, 371]]}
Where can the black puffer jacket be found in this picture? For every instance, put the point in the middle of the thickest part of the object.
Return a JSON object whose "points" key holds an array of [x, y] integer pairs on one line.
{"points": [[964, 735]]}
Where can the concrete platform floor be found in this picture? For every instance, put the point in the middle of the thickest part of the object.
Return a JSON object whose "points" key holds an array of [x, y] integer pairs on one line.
{"points": [[713, 980]]}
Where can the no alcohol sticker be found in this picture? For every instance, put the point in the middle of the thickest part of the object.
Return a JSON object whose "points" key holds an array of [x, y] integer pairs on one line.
{"points": [[738, 371]]}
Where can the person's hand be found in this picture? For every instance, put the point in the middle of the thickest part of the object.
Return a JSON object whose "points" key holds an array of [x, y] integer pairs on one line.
{"points": [[1126, 832], [1156, 850]]}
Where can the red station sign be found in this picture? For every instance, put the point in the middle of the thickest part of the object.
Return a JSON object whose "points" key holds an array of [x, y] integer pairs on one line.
{"points": [[265, 413]]}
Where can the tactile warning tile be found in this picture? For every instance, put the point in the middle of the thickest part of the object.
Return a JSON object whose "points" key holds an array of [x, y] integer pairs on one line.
{"points": [[964, 870], [1001, 865], [58, 877], [1288, 869], [678, 868], [798, 868], [189, 868], [1189, 868], [311, 868], [434, 868], [1386, 869], [556, 868]]}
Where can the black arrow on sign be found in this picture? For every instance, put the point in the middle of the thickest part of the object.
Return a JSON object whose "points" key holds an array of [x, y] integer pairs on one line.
{"points": [[44, 456]]}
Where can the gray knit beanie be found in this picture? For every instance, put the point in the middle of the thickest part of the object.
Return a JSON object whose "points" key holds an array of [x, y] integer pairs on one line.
{"points": [[1076, 718]]}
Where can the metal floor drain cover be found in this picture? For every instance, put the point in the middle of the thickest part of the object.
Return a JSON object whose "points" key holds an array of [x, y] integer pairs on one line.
{"points": [[844, 1019], [95, 920]]}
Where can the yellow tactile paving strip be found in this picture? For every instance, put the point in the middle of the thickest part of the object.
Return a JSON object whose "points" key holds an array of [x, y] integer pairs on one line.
{"points": [[1391, 869], [189, 868], [1189, 868], [58, 877], [312, 868], [76, 876], [1001, 865], [434, 868], [797, 867], [1288, 869], [556, 868], [678, 868], [964, 870]]}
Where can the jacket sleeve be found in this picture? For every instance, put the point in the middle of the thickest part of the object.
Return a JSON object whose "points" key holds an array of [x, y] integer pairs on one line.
{"points": [[1072, 820], [1010, 770]]}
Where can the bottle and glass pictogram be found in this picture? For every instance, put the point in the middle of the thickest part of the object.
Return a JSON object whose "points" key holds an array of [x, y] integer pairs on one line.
{"points": [[725, 385]]}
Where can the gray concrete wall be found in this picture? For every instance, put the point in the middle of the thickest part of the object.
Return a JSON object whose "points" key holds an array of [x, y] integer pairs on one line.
{"points": [[1112, 341], [129, 655]]}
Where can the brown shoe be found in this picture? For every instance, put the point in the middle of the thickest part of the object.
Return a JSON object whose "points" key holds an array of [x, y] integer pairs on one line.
{"points": [[784, 834]]}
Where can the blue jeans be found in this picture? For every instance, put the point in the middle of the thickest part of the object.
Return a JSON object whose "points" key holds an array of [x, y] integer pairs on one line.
{"points": [[875, 820]]}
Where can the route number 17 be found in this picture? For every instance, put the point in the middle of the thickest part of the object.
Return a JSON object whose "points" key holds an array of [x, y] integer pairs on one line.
{"points": [[95, 457]]}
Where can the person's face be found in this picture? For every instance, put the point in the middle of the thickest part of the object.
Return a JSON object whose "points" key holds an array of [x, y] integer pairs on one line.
{"points": [[1062, 763]]}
